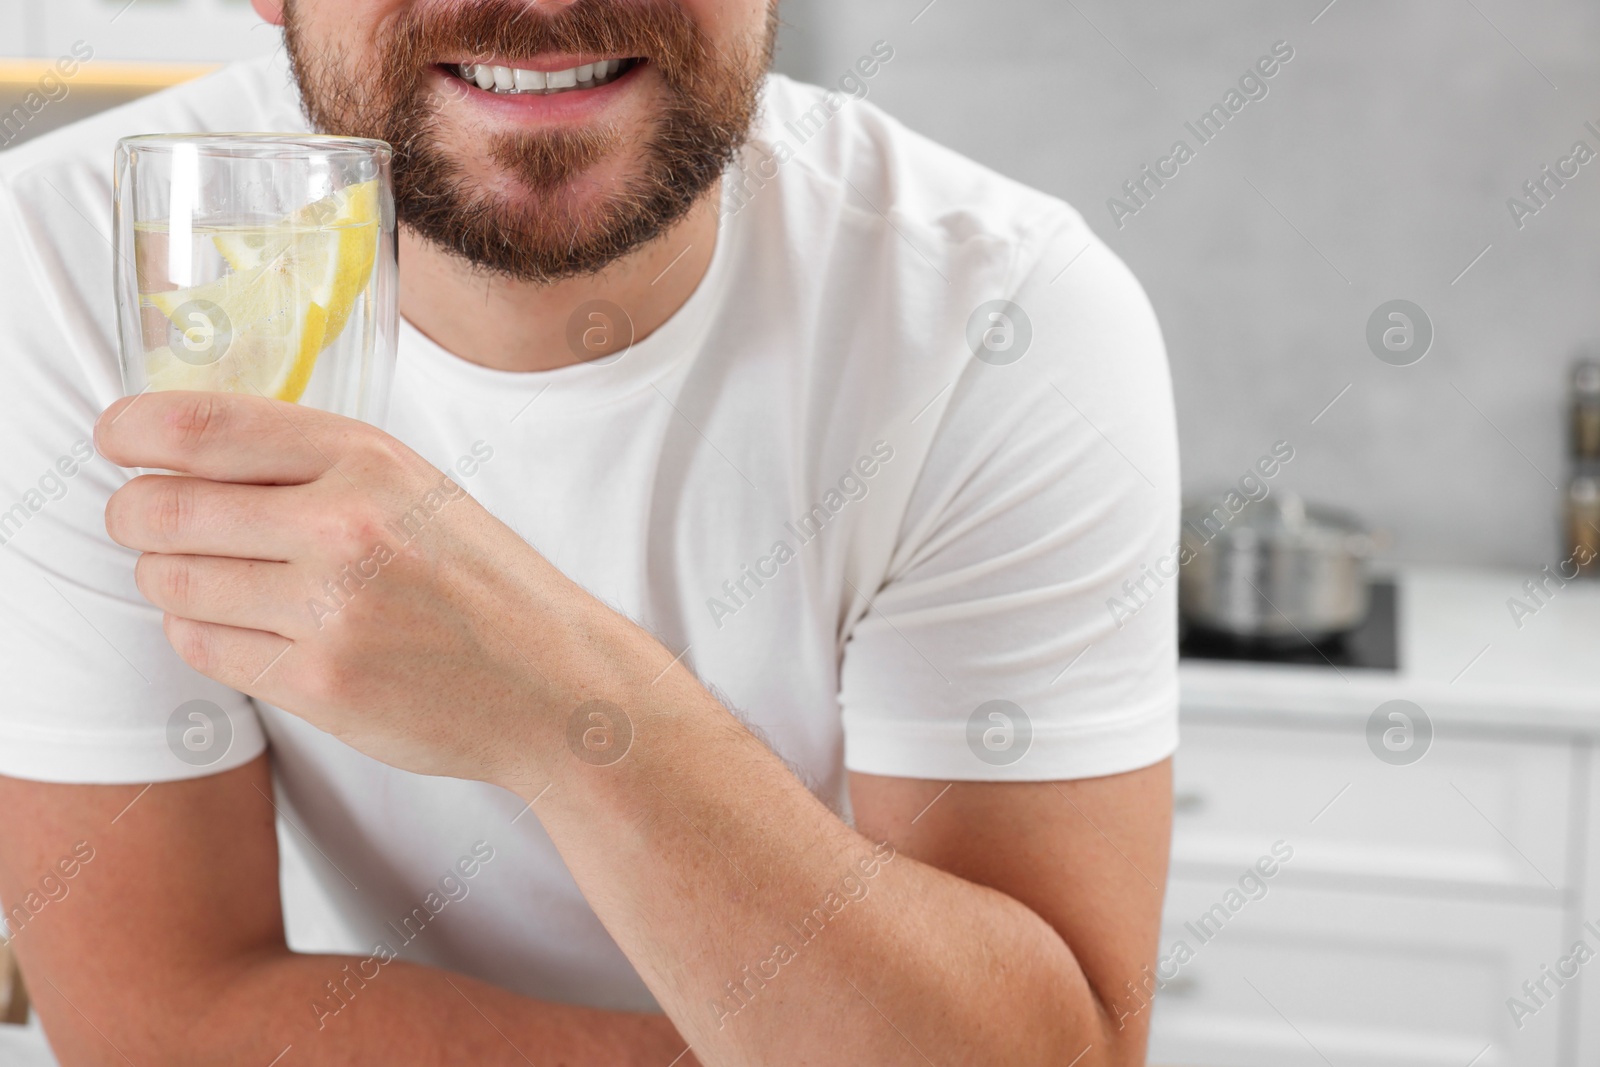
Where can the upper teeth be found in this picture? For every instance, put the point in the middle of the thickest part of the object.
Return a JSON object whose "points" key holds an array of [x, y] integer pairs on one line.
{"points": [[514, 80]]}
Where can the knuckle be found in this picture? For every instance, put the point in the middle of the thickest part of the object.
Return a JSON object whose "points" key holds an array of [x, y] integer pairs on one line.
{"points": [[351, 529], [381, 450], [196, 421], [328, 679], [172, 509], [175, 585], [163, 580], [365, 529], [375, 451], [341, 534]]}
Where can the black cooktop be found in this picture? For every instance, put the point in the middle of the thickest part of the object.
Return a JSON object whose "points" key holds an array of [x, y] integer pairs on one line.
{"points": [[1375, 644]]}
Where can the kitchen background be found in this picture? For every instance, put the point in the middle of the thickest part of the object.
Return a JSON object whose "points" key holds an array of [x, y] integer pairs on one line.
{"points": [[1377, 167], [1443, 864]]}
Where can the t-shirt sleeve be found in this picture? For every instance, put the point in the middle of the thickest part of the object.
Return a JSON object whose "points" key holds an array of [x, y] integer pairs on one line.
{"points": [[1026, 628], [90, 690]]}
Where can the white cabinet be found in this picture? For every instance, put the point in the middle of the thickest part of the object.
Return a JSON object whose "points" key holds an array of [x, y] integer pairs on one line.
{"points": [[1418, 898], [1586, 1024], [1312, 977], [1475, 810]]}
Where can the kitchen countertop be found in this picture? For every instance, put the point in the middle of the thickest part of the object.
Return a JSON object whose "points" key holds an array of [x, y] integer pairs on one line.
{"points": [[1463, 659]]}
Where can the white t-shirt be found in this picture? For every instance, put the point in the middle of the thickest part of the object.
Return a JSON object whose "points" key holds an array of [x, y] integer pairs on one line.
{"points": [[863, 518]]}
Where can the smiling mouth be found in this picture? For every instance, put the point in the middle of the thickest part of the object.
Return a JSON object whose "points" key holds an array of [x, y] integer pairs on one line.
{"points": [[512, 81]]}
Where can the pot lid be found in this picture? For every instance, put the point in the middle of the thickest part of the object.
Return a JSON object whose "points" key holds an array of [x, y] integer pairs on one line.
{"points": [[1281, 520]]}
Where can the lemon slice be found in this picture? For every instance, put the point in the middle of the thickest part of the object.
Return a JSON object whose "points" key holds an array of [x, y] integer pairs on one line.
{"points": [[290, 295], [257, 331], [247, 247], [356, 224], [165, 370]]}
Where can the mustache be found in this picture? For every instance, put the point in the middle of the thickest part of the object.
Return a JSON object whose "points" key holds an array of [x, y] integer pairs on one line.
{"points": [[512, 30]]}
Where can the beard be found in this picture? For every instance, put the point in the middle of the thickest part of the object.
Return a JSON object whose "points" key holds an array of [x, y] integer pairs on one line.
{"points": [[540, 216]]}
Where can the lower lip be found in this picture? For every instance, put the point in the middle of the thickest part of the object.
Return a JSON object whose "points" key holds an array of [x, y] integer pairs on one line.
{"points": [[572, 106]]}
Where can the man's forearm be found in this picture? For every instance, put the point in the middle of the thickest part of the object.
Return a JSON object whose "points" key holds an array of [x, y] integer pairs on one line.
{"points": [[773, 933], [404, 1016]]}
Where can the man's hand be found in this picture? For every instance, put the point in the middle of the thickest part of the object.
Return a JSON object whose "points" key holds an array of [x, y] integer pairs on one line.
{"points": [[318, 564]]}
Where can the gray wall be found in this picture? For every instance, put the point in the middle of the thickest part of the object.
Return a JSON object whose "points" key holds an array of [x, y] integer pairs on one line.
{"points": [[1381, 161]]}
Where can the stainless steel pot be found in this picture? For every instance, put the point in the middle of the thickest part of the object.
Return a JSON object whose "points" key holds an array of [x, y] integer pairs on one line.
{"points": [[1277, 570]]}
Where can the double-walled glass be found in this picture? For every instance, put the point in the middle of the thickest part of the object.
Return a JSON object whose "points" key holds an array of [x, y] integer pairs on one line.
{"points": [[258, 263]]}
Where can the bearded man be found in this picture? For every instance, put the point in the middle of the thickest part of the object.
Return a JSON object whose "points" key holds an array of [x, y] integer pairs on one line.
{"points": [[754, 692]]}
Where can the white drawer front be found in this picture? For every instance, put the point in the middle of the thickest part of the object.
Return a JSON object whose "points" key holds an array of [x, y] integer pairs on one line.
{"points": [[1308, 977], [1471, 814]]}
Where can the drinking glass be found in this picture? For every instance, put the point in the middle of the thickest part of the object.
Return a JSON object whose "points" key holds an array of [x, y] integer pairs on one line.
{"points": [[258, 263]]}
